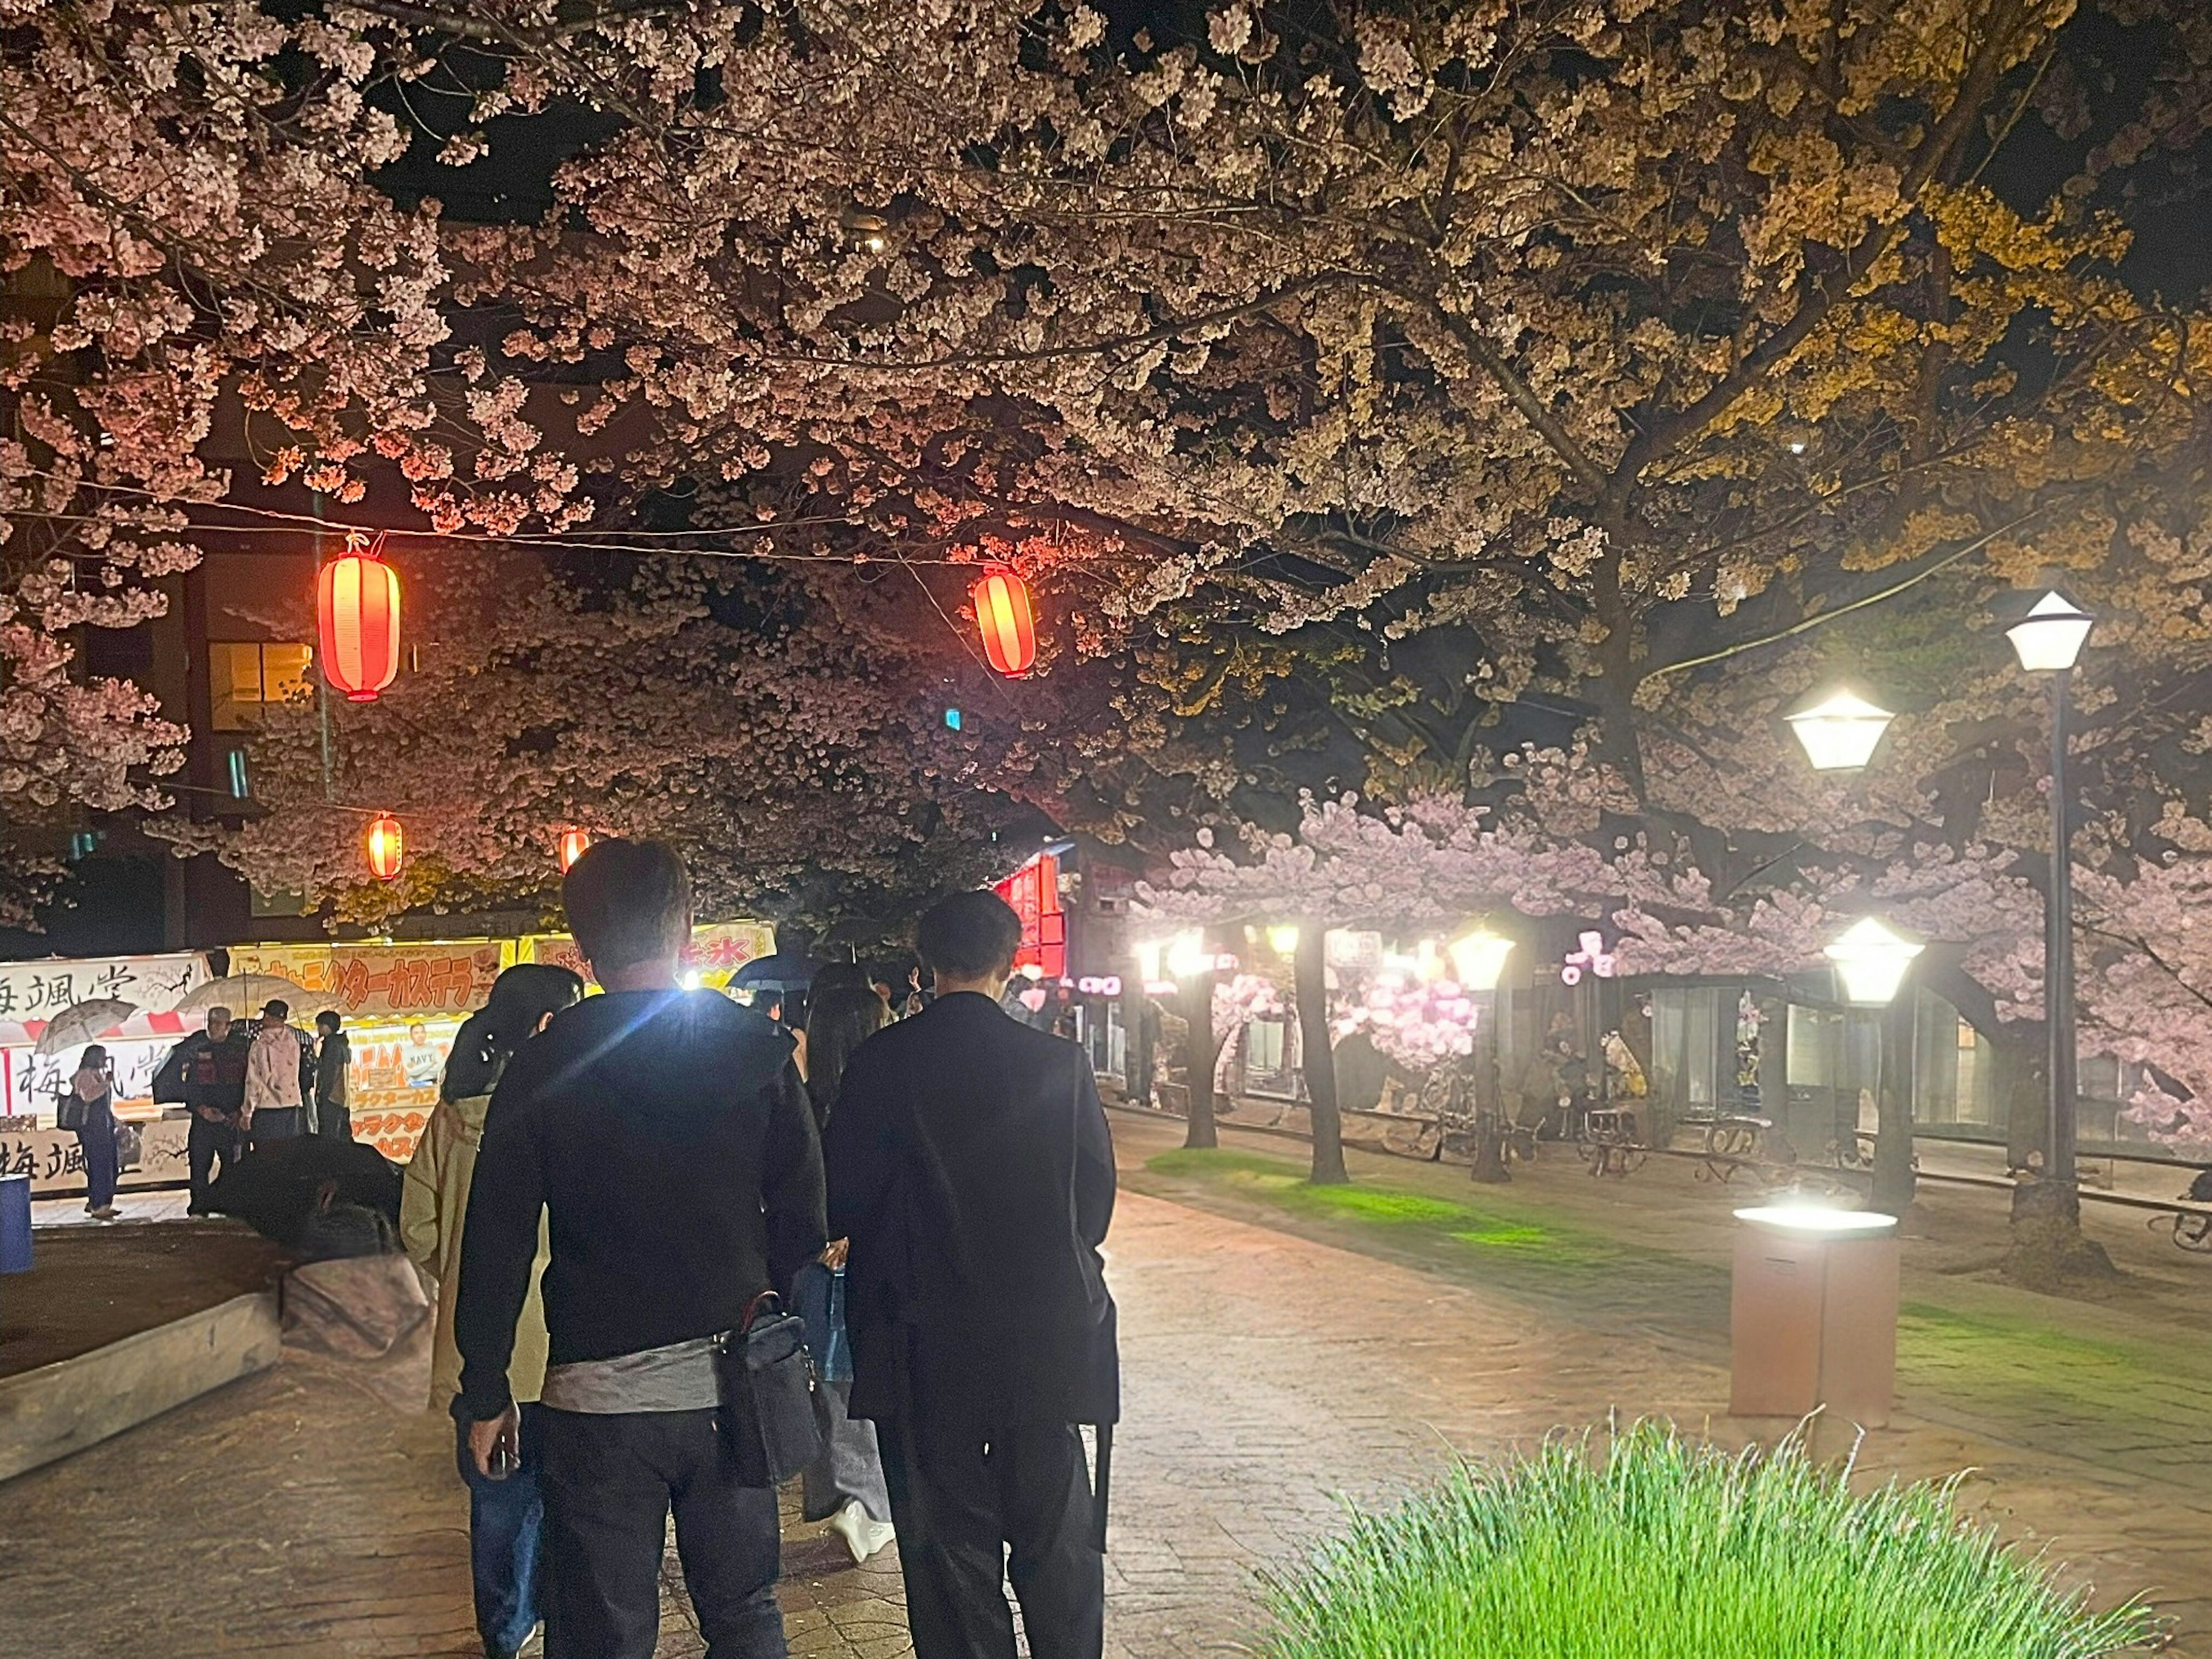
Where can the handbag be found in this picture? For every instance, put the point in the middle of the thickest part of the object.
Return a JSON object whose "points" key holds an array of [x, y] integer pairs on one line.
{"points": [[73, 1112], [767, 1385]]}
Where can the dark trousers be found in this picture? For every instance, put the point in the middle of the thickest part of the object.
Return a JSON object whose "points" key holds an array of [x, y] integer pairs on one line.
{"points": [[274, 1123], [610, 1481], [205, 1145], [97, 1139], [505, 1519], [336, 1122], [976, 1506]]}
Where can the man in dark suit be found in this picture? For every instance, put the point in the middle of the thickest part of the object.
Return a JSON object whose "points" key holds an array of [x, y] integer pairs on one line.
{"points": [[971, 1166]]}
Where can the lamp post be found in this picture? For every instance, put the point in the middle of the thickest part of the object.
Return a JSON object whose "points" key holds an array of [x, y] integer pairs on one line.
{"points": [[1871, 960], [2048, 640], [1477, 960]]}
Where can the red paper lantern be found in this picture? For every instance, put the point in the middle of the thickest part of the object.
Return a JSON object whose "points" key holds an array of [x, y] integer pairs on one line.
{"points": [[1008, 625], [384, 845], [573, 843], [357, 613]]}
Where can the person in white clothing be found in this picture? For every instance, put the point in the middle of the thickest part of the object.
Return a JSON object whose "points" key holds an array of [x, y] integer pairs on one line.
{"points": [[276, 1074]]}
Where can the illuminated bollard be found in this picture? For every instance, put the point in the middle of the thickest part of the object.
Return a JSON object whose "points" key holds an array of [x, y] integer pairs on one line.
{"points": [[1814, 1314]]}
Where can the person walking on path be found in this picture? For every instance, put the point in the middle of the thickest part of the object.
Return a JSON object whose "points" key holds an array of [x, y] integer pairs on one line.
{"points": [[207, 1072], [333, 1063], [277, 1079], [845, 1485], [970, 1167], [667, 1136], [506, 1515], [88, 1106]]}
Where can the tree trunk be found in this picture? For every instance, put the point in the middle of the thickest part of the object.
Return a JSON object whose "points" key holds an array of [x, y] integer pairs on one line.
{"points": [[1894, 1182], [1310, 972], [2016, 1061], [1200, 1051]]}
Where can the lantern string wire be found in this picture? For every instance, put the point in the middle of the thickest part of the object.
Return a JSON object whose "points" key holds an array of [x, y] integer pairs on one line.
{"points": [[283, 521]]}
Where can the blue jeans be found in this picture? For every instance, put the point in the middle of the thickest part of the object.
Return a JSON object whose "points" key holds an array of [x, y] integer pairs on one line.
{"points": [[97, 1137], [505, 1519]]}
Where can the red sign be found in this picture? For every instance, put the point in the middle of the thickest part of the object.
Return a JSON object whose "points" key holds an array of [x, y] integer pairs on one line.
{"points": [[1034, 891]]}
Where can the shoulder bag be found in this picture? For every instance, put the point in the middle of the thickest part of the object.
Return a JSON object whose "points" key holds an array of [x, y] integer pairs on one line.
{"points": [[768, 1393]]}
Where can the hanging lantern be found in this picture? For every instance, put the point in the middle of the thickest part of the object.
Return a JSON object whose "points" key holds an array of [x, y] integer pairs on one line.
{"points": [[384, 845], [357, 614], [573, 843], [1008, 625]]}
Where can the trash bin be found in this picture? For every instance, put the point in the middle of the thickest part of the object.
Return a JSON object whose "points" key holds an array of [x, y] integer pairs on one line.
{"points": [[14, 1224], [1814, 1315]]}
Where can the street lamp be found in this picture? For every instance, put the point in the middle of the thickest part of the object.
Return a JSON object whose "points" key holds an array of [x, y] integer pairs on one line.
{"points": [[1839, 731], [1478, 959], [2048, 640], [1871, 959]]}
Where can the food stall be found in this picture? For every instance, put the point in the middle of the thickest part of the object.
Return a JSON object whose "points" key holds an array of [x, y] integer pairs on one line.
{"points": [[402, 1002], [149, 1142]]}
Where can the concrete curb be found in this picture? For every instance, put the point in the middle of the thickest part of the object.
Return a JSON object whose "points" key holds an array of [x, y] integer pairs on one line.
{"points": [[74, 1403]]}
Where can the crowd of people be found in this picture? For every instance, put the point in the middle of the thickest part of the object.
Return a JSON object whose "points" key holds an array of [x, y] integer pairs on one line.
{"points": [[621, 1200], [243, 1088], [625, 1200]]}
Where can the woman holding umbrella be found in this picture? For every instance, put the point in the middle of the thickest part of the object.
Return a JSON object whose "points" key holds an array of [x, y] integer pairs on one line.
{"points": [[88, 1106]]}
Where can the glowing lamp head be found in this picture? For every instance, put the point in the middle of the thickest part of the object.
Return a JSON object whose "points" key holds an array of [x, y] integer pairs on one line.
{"points": [[573, 845], [1282, 941], [1840, 732], [1871, 959], [386, 847], [1187, 956], [2049, 638], [357, 620], [1006, 622], [1479, 959]]}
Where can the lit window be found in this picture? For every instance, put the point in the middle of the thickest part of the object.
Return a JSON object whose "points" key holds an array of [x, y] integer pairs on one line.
{"points": [[241, 789], [243, 677]]}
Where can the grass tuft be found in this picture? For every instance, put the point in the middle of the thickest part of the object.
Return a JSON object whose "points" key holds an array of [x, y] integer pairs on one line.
{"points": [[1655, 1548]]}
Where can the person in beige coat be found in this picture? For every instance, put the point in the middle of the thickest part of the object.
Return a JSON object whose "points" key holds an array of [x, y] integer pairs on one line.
{"points": [[505, 1510]]}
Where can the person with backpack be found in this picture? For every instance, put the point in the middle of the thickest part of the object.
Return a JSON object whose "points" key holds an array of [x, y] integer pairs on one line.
{"points": [[88, 1106], [506, 1514]]}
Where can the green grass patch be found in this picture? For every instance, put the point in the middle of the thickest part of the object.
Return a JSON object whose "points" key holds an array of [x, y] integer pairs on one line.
{"points": [[1450, 1228], [1652, 1547]]}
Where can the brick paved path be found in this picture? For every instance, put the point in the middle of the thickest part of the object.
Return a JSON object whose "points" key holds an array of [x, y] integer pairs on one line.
{"points": [[312, 1511]]}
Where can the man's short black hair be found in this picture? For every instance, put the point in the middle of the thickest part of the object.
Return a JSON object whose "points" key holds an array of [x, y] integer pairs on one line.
{"points": [[329, 1019], [969, 935], [628, 901], [793, 939]]}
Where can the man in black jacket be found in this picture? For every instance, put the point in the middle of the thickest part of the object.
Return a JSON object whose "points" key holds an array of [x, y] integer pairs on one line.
{"points": [[969, 1164], [667, 1138], [207, 1072]]}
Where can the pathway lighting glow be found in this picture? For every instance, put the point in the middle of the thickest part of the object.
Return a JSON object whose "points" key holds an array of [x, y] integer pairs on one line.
{"points": [[2051, 636], [1479, 959], [1871, 959], [1839, 733]]}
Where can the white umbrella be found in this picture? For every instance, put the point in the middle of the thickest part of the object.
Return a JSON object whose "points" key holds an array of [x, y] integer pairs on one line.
{"points": [[84, 1021], [242, 993]]}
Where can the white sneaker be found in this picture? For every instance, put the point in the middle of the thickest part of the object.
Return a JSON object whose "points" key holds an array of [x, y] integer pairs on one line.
{"points": [[863, 1534]]}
